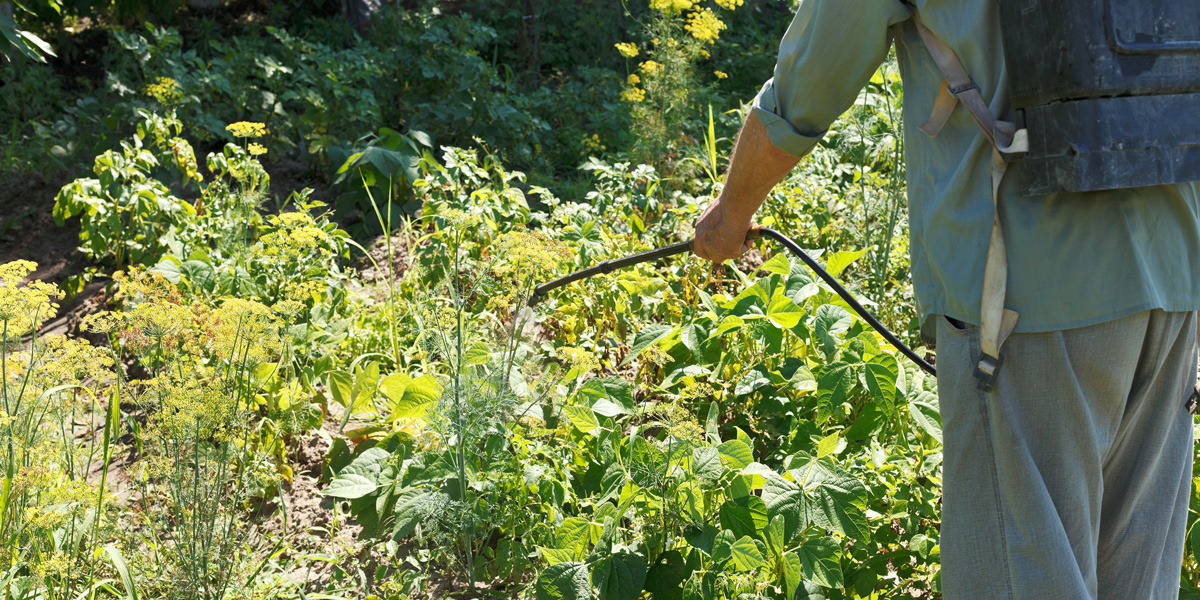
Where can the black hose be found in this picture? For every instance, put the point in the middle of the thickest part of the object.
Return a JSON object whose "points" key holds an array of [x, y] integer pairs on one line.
{"points": [[539, 292]]}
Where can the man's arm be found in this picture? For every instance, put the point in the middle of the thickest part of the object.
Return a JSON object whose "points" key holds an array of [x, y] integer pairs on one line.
{"points": [[826, 57], [754, 169]]}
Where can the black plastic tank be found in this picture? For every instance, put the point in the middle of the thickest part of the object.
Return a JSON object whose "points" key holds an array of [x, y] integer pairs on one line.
{"points": [[1109, 91]]}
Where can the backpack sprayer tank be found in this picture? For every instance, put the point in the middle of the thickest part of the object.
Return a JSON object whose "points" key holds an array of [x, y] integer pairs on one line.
{"points": [[1109, 91]]}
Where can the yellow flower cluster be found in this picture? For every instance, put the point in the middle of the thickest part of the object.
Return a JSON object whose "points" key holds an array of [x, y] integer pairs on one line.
{"points": [[633, 79], [159, 326], [63, 360], [24, 308], [627, 50], [592, 143], [164, 90], [633, 95], [247, 129], [704, 25], [191, 410], [245, 331], [256, 149], [672, 6], [528, 255], [721, 74], [651, 68], [577, 359], [729, 4]]}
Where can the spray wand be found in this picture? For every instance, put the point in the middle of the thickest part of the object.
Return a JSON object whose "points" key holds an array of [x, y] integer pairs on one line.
{"points": [[608, 266]]}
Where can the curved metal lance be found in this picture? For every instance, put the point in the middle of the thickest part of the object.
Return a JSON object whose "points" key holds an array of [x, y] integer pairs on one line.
{"points": [[608, 266]]}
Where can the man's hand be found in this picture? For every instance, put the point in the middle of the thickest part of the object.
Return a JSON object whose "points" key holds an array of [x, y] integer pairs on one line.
{"points": [[755, 167], [720, 237]]}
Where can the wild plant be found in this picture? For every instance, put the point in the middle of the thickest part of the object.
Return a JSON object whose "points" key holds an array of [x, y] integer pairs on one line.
{"points": [[127, 209], [661, 88]]}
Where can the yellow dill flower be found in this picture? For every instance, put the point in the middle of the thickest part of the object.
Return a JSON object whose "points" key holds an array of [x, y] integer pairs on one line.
{"points": [[24, 308], [705, 54], [651, 67], [63, 360], [256, 149], [244, 331], [164, 90], [247, 129], [729, 4], [633, 95], [673, 6], [577, 360], [704, 25], [627, 50], [720, 74], [633, 79], [191, 410]]}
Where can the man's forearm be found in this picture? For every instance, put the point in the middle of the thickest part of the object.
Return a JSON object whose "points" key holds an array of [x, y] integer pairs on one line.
{"points": [[754, 169]]}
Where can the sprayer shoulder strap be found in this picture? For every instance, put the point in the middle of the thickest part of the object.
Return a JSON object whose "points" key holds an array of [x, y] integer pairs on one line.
{"points": [[996, 322]]}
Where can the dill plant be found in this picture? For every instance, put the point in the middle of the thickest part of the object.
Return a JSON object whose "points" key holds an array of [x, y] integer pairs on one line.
{"points": [[50, 515], [201, 442], [484, 388]]}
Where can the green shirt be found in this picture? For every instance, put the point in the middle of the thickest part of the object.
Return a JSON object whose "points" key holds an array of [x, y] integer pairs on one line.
{"points": [[1074, 259]]}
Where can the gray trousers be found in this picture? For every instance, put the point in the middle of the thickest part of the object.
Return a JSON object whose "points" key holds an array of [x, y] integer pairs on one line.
{"points": [[1071, 479]]}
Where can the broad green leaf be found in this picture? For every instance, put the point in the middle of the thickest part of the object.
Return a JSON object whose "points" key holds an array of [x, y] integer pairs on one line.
{"points": [[702, 585], [834, 387], [410, 398], [802, 283], [802, 380], [736, 454], [835, 500], [722, 547], [924, 411], [620, 576], [703, 538], [840, 260], [477, 354], [706, 463], [827, 445], [609, 397], [200, 274], [412, 508], [644, 338], [783, 312], [553, 556], [819, 559], [746, 554], [729, 323], [754, 379], [881, 374], [666, 576], [577, 533], [743, 516], [582, 418], [564, 581], [778, 264], [831, 321], [784, 498], [773, 533], [692, 337], [350, 486]]}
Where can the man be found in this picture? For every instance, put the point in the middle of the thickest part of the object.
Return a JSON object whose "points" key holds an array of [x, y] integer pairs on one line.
{"points": [[1071, 477]]}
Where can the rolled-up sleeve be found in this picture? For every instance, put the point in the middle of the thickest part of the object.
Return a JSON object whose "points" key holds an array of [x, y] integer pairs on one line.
{"points": [[830, 51]]}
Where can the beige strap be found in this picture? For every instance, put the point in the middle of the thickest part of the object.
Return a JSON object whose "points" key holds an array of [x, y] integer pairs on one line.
{"points": [[996, 322]]}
